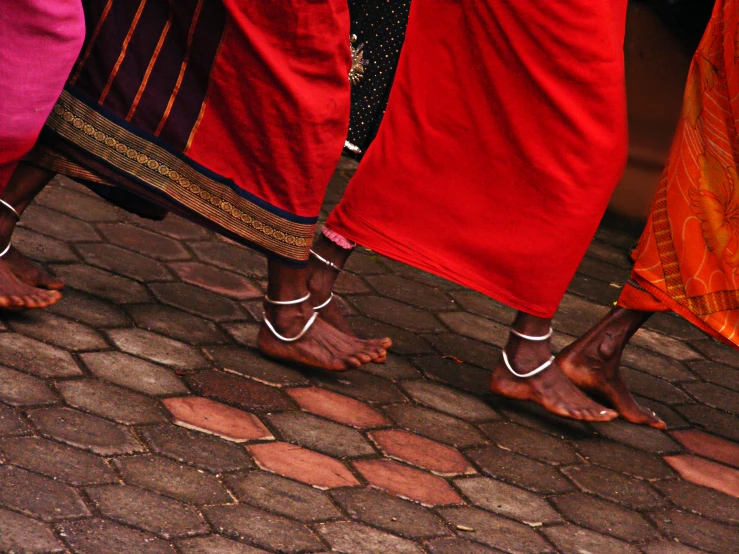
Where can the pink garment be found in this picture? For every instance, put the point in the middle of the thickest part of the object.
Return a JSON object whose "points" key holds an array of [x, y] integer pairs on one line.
{"points": [[39, 43], [338, 239]]}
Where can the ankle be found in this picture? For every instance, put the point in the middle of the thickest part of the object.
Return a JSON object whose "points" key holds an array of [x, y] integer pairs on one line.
{"points": [[287, 318]]}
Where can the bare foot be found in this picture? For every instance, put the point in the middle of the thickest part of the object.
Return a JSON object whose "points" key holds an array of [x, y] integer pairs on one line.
{"points": [[17, 295], [593, 364], [29, 273], [323, 346], [321, 280], [550, 388]]}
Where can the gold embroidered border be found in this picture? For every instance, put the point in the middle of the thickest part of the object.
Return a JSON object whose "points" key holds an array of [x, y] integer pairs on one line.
{"points": [[75, 121]]}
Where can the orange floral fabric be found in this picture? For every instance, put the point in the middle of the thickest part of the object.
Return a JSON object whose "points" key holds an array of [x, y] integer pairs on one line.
{"points": [[688, 256]]}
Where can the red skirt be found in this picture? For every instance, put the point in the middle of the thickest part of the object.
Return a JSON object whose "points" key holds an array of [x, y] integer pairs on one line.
{"points": [[232, 113], [504, 137]]}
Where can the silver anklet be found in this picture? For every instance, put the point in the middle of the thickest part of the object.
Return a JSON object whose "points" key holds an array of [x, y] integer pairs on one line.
{"points": [[320, 258], [326, 303], [268, 300], [306, 327], [539, 369], [6, 250], [11, 208]]}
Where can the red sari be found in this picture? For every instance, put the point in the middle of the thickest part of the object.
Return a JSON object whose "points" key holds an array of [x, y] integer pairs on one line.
{"points": [[232, 113], [504, 137], [688, 256]]}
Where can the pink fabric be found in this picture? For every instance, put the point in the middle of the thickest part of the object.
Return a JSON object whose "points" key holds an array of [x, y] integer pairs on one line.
{"points": [[39, 43], [338, 239]]}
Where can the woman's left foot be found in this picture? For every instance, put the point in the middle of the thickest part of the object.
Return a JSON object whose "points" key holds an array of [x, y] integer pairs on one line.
{"points": [[593, 363], [29, 273]]}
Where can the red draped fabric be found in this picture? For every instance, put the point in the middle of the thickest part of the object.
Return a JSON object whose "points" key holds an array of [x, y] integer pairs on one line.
{"points": [[504, 137]]}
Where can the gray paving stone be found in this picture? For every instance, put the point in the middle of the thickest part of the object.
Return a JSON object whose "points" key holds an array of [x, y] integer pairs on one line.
{"points": [[232, 257], [318, 434], [90, 310], [42, 248], [718, 352], [697, 531], [215, 544], [172, 479], [84, 431], [11, 423], [571, 539], [250, 363], [411, 292], [244, 333], [124, 262], [360, 385], [405, 343], [476, 327], [462, 376], [111, 402], [172, 226], [39, 497], [176, 324], [655, 388], [134, 373], [157, 348], [148, 511], [262, 528], [638, 436], [60, 462], [396, 313], [701, 500], [282, 496], [495, 531], [99, 536], [36, 357], [669, 547], [354, 538], [434, 425], [714, 421], [604, 517], [456, 546], [144, 242], [656, 365], [395, 368], [529, 442], [629, 491], [662, 344], [57, 226], [20, 389], [389, 513], [718, 374], [21, 534], [79, 206], [507, 500], [101, 283], [197, 301], [196, 449], [449, 401], [621, 458], [715, 396]]}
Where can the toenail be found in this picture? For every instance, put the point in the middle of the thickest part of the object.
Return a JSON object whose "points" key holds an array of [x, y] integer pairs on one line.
{"points": [[603, 412]]}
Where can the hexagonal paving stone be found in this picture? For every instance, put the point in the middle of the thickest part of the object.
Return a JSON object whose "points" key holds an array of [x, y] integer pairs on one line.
{"points": [[20, 389], [407, 482], [712, 420], [157, 348], [78, 429], [530, 443], [98, 536], [669, 547], [134, 373], [58, 226], [457, 545], [320, 435], [145, 242], [434, 425], [449, 401], [396, 313], [638, 436], [216, 545], [241, 392], [57, 461], [208, 416], [231, 256], [476, 327], [422, 452], [101, 283], [624, 459], [264, 529], [697, 531], [571, 539], [36, 357], [283, 496], [11, 423], [148, 511], [302, 465], [89, 309], [604, 517], [251, 363], [703, 444], [39, 497], [337, 407], [507, 500], [109, 401], [615, 487], [172, 479], [701, 500], [216, 280], [202, 451], [124, 262], [353, 538], [411, 292], [197, 301], [494, 531], [387, 512], [361, 386], [41, 248], [175, 324], [59, 331], [465, 377], [19, 533]]}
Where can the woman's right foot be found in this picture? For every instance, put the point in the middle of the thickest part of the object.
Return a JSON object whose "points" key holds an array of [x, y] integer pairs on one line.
{"points": [[29, 273], [323, 346], [593, 364]]}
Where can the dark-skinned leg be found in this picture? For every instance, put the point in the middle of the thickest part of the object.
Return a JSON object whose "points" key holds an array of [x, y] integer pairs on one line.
{"points": [[322, 346], [549, 388], [22, 284], [593, 363]]}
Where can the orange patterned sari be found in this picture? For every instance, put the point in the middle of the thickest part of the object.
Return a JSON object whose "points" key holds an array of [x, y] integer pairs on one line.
{"points": [[688, 256]]}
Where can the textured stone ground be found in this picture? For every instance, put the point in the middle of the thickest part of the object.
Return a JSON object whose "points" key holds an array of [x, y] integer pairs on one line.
{"points": [[135, 416]]}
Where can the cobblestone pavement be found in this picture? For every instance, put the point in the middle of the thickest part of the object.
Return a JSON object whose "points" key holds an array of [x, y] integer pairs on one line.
{"points": [[135, 416]]}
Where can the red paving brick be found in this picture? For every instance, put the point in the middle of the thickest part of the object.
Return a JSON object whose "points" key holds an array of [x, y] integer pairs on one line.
{"points": [[303, 465], [337, 407], [709, 446], [203, 414], [422, 452], [707, 473], [407, 482]]}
